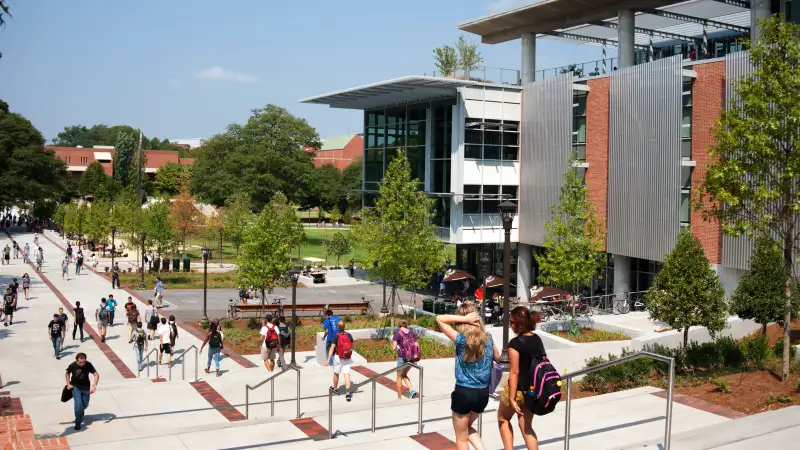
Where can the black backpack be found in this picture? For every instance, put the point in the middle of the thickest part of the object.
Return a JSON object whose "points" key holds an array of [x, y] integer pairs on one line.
{"points": [[103, 314], [542, 397], [286, 337], [215, 340], [79, 317], [154, 318]]}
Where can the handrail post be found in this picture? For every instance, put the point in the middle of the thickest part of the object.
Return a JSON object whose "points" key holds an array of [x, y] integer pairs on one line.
{"points": [[272, 397], [298, 391], [330, 415], [247, 402], [670, 388], [421, 390], [374, 406], [196, 363], [567, 413]]}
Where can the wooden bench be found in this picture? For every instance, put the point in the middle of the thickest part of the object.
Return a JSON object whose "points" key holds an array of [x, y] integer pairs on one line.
{"points": [[362, 307]]}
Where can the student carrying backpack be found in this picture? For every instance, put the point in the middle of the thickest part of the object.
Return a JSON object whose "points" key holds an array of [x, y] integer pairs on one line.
{"points": [[286, 335], [408, 347], [272, 339], [344, 346], [408, 351]]}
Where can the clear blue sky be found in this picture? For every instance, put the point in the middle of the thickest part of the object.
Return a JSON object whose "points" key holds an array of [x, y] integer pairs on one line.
{"points": [[182, 68]]}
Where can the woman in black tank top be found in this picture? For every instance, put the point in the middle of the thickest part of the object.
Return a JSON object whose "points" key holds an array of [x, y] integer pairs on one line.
{"points": [[521, 351]]}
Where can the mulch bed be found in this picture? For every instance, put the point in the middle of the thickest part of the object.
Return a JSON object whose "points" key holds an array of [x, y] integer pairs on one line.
{"points": [[775, 332], [750, 394]]}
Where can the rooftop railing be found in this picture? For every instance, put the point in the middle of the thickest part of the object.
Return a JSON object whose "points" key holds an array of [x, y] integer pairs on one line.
{"points": [[485, 74]]}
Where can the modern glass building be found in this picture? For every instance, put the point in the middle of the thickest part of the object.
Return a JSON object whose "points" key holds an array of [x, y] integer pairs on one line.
{"points": [[640, 125]]}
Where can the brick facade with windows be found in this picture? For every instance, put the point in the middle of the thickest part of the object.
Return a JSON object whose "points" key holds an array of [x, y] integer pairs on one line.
{"points": [[597, 148]]}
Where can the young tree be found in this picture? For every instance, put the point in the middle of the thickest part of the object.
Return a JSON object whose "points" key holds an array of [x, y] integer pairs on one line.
{"points": [[156, 223], [210, 230], [81, 213], [468, 55], [60, 213], [574, 240], [399, 233], [185, 216], [339, 246], [98, 222], [125, 154], [70, 218], [751, 183], [760, 294], [351, 183], [265, 258], [237, 217], [170, 178], [686, 292], [446, 60], [92, 179]]}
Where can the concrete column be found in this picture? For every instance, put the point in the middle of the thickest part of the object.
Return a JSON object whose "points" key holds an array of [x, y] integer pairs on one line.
{"points": [[759, 9], [622, 275], [528, 58], [626, 37], [524, 262]]}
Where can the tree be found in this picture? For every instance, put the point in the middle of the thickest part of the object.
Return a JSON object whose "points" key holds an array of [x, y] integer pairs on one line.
{"points": [[760, 294], [92, 179], [156, 223], [29, 173], [339, 246], [98, 222], [351, 184], [185, 216], [265, 259], [574, 240], [751, 185], [399, 233], [326, 192], [125, 157], [82, 214], [70, 218], [468, 55], [169, 179], [262, 157], [686, 292], [446, 60], [60, 214], [574, 69], [210, 230], [236, 219]]}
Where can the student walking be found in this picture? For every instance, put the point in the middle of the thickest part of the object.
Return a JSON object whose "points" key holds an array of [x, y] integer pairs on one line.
{"points": [[475, 351], [408, 351], [164, 343], [54, 332], [270, 341], [158, 293], [9, 305], [111, 304], [215, 346], [62, 318], [286, 341], [65, 268], [138, 338], [173, 335], [525, 348], [26, 284], [132, 316], [151, 316], [26, 253], [78, 262], [95, 262], [6, 255], [78, 319], [115, 276], [16, 249], [330, 326], [101, 315], [14, 291], [342, 352], [39, 259], [78, 381]]}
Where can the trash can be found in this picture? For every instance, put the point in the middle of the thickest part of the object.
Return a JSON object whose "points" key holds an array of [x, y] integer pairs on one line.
{"points": [[185, 264], [427, 305], [156, 263], [176, 264], [165, 265]]}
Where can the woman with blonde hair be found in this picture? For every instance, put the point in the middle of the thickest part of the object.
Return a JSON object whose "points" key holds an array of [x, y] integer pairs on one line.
{"points": [[475, 352]]}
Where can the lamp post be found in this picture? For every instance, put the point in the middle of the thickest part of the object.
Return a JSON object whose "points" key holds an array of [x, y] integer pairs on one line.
{"points": [[219, 228], [294, 274], [507, 211], [205, 281], [142, 286], [384, 308], [113, 248]]}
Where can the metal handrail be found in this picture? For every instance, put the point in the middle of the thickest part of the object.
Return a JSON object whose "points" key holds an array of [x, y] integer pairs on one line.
{"points": [[147, 358], [671, 361], [271, 379], [183, 364], [373, 379]]}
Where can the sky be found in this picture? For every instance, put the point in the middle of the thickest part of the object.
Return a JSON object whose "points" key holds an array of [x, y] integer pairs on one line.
{"points": [[188, 68]]}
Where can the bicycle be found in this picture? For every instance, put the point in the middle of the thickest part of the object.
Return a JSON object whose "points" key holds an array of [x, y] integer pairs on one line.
{"points": [[622, 306], [278, 302], [233, 310], [638, 304]]}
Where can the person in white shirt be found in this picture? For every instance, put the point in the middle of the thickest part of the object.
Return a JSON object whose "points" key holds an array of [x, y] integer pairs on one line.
{"points": [[163, 336], [95, 261], [270, 341]]}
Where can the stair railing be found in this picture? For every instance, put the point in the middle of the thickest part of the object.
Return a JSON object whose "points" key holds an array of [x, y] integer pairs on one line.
{"points": [[183, 364], [271, 380]]}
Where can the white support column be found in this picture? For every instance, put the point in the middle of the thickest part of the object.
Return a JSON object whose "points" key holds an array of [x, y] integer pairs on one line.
{"points": [[524, 263], [528, 58], [759, 9], [626, 38], [622, 275]]}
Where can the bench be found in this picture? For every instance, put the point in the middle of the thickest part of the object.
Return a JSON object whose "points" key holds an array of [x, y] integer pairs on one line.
{"points": [[363, 307]]}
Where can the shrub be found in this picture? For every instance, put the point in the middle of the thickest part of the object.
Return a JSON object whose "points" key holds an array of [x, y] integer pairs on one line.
{"points": [[228, 323], [253, 323], [347, 319], [703, 356], [624, 376], [773, 398], [777, 350], [205, 324], [730, 351], [755, 350], [722, 385]]}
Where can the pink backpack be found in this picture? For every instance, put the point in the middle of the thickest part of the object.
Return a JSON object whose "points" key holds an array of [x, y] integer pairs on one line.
{"points": [[409, 348]]}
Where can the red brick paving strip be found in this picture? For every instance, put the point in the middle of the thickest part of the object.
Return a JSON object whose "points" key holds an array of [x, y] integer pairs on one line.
{"points": [[10, 406], [702, 405], [434, 441], [383, 381], [241, 360], [311, 428], [115, 360], [217, 401]]}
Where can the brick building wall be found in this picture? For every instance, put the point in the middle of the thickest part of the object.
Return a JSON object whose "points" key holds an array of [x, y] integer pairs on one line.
{"points": [[597, 148], [343, 157], [708, 101]]}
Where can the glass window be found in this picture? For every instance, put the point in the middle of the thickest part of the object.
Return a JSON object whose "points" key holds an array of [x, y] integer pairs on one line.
{"points": [[686, 122], [417, 112], [376, 118], [579, 105], [416, 159], [473, 136], [472, 189], [491, 152], [579, 130], [686, 177], [375, 137], [510, 192], [373, 165], [489, 189], [686, 149], [440, 175], [580, 152], [510, 138], [491, 137], [472, 206], [472, 151], [416, 133], [684, 211], [510, 153]]}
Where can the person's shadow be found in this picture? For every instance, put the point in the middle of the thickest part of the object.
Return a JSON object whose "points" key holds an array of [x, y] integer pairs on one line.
{"points": [[88, 419]]}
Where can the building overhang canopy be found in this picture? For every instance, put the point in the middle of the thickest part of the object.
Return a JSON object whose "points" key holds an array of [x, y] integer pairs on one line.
{"points": [[575, 17], [396, 91]]}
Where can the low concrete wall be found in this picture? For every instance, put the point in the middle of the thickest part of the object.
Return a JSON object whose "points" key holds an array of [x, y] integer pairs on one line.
{"points": [[735, 328]]}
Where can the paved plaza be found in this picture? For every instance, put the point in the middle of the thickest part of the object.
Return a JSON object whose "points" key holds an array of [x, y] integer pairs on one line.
{"points": [[130, 412]]}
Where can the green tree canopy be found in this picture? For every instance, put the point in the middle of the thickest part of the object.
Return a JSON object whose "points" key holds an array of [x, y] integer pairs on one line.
{"points": [[92, 179], [468, 55], [351, 183], [125, 155], [98, 222], [686, 292], [261, 157], [339, 246], [170, 177], [761, 293], [446, 60], [156, 225], [574, 240], [236, 219], [326, 192], [752, 180]]}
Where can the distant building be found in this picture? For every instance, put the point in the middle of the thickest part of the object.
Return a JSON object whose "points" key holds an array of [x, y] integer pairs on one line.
{"points": [[188, 142], [338, 150], [78, 159]]}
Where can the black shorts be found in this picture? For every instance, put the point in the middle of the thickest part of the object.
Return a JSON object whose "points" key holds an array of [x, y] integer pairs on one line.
{"points": [[8, 310], [465, 400], [151, 326], [166, 348]]}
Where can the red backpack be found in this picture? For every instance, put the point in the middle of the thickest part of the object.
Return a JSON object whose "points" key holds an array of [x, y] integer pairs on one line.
{"points": [[344, 346], [271, 339]]}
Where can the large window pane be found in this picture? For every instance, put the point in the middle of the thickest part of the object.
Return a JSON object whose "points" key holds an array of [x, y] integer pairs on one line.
{"points": [[376, 118], [416, 159], [686, 177], [684, 212], [686, 149], [510, 138], [686, 122], [375, 138], [579, 130], [373, 170], [472, 151], [473, 136], [491, 137], [579, 105], [510, 153], [472, 189], [472, 206], [510, 192], [416, 133], [491, 152]]}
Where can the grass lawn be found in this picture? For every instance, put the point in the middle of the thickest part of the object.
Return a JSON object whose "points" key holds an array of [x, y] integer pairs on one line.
{"points": [[593, 335], [180, 280]]}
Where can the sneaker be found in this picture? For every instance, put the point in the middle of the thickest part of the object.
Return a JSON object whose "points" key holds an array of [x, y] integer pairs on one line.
{"points": [[349, 396], [412, 394], [77, 427], [58, 357]]}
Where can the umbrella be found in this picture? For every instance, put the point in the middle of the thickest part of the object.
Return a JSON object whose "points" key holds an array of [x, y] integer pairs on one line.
{"points": [[543, 292], [456, 275], [493, 281]]}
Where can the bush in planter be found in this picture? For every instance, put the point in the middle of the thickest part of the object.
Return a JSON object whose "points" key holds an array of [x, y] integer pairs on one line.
{"points": [[228, 323], [106, 268], [205, 324], [253, 323], [756, 351], [777, 350], [624, 376]]}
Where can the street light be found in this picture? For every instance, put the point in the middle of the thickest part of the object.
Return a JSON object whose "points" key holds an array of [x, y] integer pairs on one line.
{"points": [[294, 274], [142, 286], [507, 211], [113, 233], [205, 281]]}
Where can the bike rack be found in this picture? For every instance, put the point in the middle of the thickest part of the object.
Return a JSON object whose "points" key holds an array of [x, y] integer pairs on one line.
{"points": [[147, 358], [372, 380], [271, 379], [183, 364]]}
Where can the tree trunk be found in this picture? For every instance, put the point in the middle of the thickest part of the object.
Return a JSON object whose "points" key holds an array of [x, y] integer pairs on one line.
{"points": [[391, 314], [685, 337], [787, 319], [764, 328]]}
